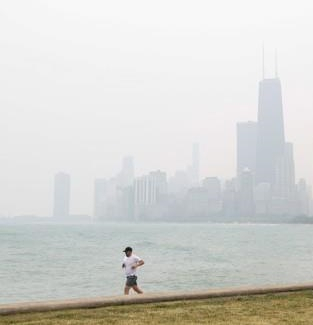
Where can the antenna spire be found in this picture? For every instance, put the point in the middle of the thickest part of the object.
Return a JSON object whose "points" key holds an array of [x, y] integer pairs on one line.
{"points": [[276, 64], [263, 65]]}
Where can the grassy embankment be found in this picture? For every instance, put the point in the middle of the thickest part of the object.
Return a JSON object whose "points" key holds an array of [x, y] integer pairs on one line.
{"points": [[288, 308]]}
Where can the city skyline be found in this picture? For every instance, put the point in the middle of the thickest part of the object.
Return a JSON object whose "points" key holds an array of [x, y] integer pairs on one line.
{"points": [[264, 187], [93, 85], [247, 140], [247, 136]]}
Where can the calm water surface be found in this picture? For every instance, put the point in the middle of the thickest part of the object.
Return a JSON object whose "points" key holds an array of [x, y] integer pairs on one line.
{"points": [[40, 262]]}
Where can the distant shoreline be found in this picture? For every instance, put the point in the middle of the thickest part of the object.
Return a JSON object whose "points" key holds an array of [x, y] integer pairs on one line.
{"points": [[48, 220]]}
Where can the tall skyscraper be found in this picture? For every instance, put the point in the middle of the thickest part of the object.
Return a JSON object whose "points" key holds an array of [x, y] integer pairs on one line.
{"points": [[126, 177], [270, 138], [246, 146], [285, 185], [61, 205]]}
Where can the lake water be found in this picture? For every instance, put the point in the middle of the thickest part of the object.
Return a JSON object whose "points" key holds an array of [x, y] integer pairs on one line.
{"points": [[46, 261]]}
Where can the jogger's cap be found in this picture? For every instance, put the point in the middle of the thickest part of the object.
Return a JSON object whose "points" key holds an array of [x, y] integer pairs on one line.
{"points": [[127, 249]]}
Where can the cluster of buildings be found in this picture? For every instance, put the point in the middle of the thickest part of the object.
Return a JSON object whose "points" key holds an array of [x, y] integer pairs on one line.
{"points": [[264, 189]]}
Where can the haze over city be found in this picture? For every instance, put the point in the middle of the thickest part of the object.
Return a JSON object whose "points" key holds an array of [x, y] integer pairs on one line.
{"points": [[82, 87], [156, 148]]}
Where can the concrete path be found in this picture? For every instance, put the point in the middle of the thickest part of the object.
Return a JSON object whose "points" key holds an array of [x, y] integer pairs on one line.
{"points": [[27, 307]]}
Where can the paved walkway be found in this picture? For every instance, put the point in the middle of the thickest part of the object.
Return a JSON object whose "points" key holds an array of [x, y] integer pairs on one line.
{"points": [[7, 309]]}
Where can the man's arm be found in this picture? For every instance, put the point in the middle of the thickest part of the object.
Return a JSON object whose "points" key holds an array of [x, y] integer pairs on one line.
{"points": [[139, 263]]}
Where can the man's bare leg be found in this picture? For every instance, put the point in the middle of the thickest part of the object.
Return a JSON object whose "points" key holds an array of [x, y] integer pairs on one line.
{"points": [[126, 290], [136, 288]]}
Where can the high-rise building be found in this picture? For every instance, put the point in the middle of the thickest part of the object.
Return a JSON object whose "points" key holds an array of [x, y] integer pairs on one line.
{"points": [[113, 198], [196, 204], [229, 208], [100, 197], [61, 204], [270, 138], [304, 197], [246, 146], [126, 177], [145, 191], [284, 185], [160, 180], [106, 197], [310, 201], [179, 183], [283, 201], [150, 193], [262, 197], [245, 195], [213, 188], [145, 196], [125, 203]]}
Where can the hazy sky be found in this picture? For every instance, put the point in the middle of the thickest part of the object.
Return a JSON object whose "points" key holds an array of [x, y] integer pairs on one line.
{"points": [[83, 83]]}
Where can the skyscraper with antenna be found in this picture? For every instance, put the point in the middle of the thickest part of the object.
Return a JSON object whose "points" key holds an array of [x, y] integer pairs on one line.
{"points": [[271, 136]]}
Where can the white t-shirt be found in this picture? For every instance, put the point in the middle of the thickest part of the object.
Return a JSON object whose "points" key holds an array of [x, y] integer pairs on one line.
{"points": [[129, 262]]}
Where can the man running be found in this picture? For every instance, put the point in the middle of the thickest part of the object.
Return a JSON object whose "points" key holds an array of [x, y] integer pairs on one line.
{"points": [[130, 264]]}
